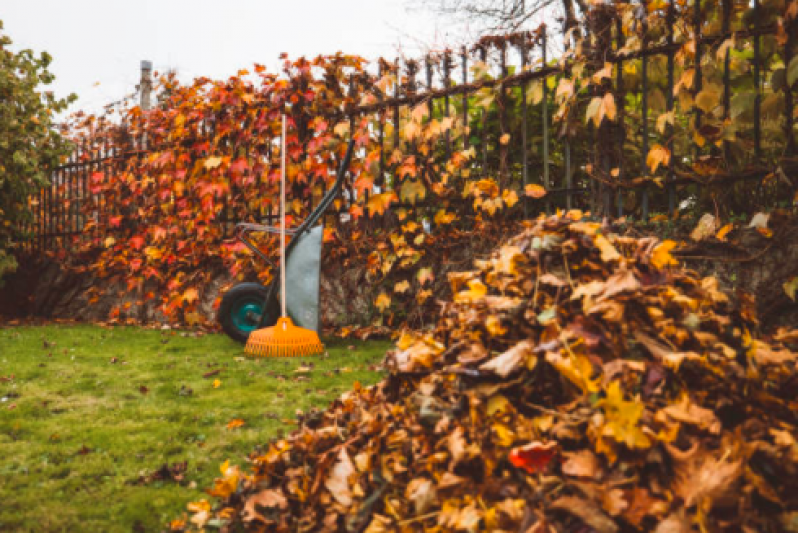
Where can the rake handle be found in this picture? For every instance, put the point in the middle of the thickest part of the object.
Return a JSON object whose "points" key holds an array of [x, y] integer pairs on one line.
{"points": [[282, 220]]}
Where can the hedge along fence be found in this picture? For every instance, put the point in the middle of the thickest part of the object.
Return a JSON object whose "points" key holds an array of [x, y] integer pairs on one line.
{"points": [[649, 104]]}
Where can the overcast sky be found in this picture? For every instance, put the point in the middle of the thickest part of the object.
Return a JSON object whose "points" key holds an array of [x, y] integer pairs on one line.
{"points": [[97, 45]]}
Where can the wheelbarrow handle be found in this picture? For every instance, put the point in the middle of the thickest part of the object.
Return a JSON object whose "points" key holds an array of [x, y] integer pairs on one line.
{"points": [[244, 228], [332, 193]]}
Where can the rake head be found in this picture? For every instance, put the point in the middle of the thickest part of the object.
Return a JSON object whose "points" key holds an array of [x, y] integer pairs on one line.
{"points": [[284, 339]]}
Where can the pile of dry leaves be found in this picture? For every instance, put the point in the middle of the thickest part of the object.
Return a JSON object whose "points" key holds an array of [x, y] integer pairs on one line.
{"points": [[580, 381]]}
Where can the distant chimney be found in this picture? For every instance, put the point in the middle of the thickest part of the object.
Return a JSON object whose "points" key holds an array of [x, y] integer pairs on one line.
{"points": [[145, 86]]}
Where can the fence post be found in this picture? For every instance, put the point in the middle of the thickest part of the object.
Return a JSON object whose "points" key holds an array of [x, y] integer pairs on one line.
{"points": [[145, 85]]}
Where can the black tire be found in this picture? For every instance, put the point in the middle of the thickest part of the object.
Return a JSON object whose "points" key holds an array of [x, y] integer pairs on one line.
{"points": [[238, 306]]}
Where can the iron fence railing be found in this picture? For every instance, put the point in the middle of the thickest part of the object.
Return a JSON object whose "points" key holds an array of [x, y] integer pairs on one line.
{"points": [[739, 52]]}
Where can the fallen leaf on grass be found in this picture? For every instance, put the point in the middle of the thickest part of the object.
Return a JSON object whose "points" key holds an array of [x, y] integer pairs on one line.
{"points": [[235, 423]]}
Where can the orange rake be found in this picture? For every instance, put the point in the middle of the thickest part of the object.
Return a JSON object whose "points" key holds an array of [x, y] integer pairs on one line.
{"points": [[284, 339]]}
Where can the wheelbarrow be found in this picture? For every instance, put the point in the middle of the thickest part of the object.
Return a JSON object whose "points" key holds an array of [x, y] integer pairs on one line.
{"points": [[249, 306]]}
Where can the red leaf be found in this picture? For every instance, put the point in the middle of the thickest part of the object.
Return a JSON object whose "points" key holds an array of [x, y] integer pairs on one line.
{"points": [[534, 457]]}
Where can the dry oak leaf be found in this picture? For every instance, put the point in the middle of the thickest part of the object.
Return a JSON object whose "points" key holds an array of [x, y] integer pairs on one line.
{"points": [[765, 355], [582, 463], [268, 498], [701, 478], [338, 480], [706, 227], [689, 413], [587, 511], [422, 493], [508, 362], [608, 251]]}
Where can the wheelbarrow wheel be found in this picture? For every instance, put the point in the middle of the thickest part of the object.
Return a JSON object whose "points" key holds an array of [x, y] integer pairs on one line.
{"points": [[244, 309]]}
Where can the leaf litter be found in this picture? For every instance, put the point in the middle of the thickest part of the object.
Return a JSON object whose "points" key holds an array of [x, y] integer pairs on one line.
{"points": [[578, 381]]}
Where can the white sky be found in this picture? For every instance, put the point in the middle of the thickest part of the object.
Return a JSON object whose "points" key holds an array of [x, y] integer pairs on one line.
{"points": [[97, 45]]}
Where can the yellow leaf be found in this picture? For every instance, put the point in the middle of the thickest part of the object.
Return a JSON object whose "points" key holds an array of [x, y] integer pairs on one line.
{"points": [[510, 197], [476, 291], [790, 287], [725, 230], [594, 112], [425, 276], [191, 295], [534, 190], [442, 217], [608, 251], [658, 155], [494, 326], [213, 162], [505, 139], [606, 72], [217, 383], [423, 295], [661, 257], [621, 418], [378, 203], [412, 190], [342, 129], [708, 99], [402, 286], [535, 92], [663, 120], [109, 241], [382, 302]]}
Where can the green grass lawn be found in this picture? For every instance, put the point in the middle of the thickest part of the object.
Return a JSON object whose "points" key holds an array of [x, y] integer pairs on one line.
{"points": [[87, 413]]}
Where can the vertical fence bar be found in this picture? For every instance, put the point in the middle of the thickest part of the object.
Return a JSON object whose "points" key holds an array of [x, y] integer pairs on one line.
{"points": [[447, 82], [727, 13], [483, 55], [428, 71], [503, 147], [524, 128], [545, 115], [697, 81], [669, 131], [757, 85], [619, 104], [466, 127], [381, 116], [644, 105], [789, 102], [396, 118]]}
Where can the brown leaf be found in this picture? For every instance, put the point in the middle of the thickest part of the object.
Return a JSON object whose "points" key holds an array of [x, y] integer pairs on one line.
{"points": [[689, 413], [508, 362], [422, 493], [582, 463], [675, 522], [269, 498], [587, 511], [338, 480], [701, 477]]}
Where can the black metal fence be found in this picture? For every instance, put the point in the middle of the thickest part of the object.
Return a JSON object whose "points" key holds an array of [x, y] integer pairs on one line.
{"points": [[709, 83]]}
